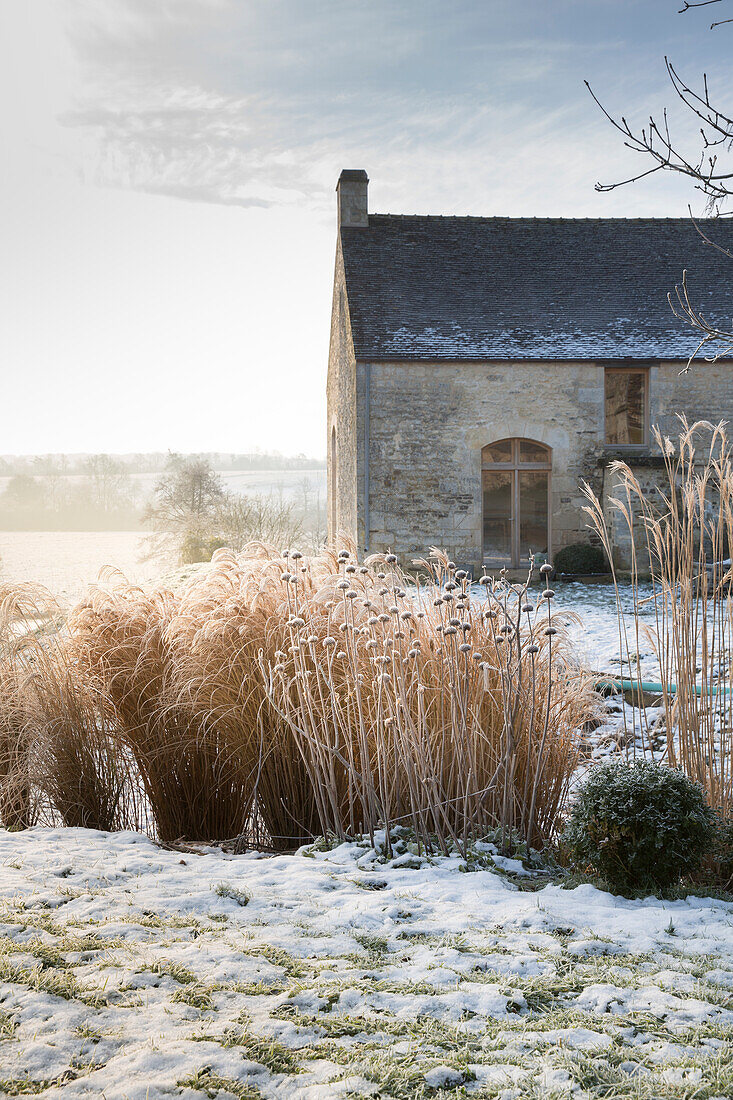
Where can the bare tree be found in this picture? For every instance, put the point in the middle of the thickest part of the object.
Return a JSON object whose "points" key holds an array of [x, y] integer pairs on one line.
{"points": [[708, 165]]}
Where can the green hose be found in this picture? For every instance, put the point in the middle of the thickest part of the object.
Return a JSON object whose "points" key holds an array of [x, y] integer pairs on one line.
{"points": [[651, 687]]}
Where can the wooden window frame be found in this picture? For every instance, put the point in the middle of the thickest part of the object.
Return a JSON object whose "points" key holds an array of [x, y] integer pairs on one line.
{"points": [[638, 368], [516, 466]]}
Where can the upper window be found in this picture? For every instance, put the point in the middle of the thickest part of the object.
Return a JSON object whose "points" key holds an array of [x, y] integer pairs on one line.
{"points": [[626, 406]]}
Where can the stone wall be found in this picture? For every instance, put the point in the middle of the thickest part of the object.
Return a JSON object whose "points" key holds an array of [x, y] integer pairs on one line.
{"points": [[705, 392], [343, 410], [429, 421]]}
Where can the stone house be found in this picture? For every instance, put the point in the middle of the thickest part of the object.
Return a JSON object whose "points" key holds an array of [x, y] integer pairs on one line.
{"points": [[481, 368]]}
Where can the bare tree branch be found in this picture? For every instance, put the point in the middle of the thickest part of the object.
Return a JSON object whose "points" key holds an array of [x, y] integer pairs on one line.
{"points": [[695, 4], [710, 170]]}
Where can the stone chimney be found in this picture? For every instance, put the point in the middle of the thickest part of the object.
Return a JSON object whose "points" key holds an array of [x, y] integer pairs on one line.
{"points": [[351, 190]]}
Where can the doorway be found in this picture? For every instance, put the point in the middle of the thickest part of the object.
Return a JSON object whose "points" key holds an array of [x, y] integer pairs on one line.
{"points": [[515, 483]]}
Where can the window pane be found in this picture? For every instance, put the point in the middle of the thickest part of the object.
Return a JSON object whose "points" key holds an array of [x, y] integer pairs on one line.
{"points": [[498, 452], [497, 488], [532, 452], [625, 401], [532, 513]]}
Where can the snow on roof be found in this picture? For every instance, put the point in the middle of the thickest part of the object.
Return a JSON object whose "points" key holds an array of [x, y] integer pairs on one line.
{"points": [[531, 288]]}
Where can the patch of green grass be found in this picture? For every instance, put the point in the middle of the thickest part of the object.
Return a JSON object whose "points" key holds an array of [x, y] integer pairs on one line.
{"points": [[197, 995], [211, 1084], [278, 957], [164, 968], [57, 983], [259, 989], [403, 1077], [8, 1025], [224, 890], [86, 1031], [266, 1052], [375, 945], [23, 1086]]}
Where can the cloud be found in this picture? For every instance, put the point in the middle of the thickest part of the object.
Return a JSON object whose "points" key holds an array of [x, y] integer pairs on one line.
{"points": [[454, 107]]}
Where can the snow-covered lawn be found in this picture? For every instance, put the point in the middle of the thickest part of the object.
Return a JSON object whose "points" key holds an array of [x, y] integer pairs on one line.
{"points": [[132, 971]]}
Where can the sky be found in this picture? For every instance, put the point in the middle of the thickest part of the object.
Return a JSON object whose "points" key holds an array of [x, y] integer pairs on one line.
{"points": [[167, 202]]}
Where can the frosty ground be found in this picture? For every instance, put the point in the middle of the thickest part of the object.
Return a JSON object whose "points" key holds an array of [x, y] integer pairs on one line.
{"points": [[133, 971]]}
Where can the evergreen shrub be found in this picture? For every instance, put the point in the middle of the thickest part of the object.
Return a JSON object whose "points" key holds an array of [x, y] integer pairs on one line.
{"points": [[639, 826], [581, 558]]}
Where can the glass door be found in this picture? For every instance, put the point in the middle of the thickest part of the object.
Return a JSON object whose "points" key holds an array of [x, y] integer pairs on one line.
{"points": [[515, 480]]}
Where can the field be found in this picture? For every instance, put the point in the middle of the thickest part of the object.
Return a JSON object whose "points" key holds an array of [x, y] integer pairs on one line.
{"points": [[67, 561], [131, 971]]}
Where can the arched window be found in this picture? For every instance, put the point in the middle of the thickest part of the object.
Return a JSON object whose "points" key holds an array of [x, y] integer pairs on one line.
{"points": [[515, 479], [333, 489]]}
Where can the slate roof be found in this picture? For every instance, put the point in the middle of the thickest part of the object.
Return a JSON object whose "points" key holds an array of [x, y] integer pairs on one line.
{"points": [[526, 288]]}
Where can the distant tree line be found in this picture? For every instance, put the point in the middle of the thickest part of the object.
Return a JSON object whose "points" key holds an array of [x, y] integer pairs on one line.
{"points": [[101, 496], [187, 509], [70, 465]]}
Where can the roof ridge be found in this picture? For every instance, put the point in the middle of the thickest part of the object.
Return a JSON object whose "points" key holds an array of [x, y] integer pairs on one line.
{"points": [[539, 218]]}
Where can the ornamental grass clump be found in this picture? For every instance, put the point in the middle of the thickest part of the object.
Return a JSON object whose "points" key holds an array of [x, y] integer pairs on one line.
{"points": [[196, 779], [234, 618], [681, 536], [640, 826], [60, 761], [275, 698], [431, 706]]}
